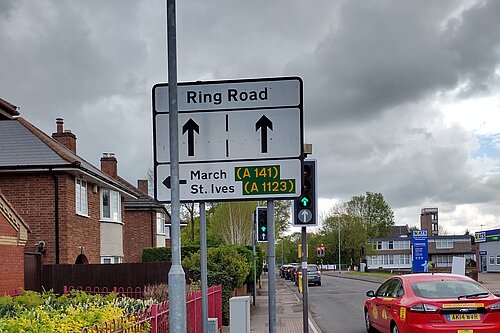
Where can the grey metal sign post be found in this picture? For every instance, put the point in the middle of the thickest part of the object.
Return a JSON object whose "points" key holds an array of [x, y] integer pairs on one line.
{"points": [[271, 264], [204, 271], [176, 276]]}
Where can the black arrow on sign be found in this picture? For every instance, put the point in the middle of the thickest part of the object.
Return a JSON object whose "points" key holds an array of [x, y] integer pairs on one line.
{"points": [[263, 124], [190, 126], [167, 183]]}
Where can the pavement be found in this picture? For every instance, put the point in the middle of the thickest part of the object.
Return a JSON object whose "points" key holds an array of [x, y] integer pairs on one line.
{"points": [[289, 305], [491, 281], [288, 310]]}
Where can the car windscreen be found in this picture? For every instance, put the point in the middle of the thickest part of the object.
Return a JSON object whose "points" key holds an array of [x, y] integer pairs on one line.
{"points": [[437, 289], [312, 268]]}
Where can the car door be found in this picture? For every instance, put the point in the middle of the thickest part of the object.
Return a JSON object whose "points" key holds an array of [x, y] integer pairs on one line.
{"points": [[388, 301], [379, 306]]}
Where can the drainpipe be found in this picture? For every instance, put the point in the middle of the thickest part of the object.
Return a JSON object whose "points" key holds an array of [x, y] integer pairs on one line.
{"points": [[56, 215]]}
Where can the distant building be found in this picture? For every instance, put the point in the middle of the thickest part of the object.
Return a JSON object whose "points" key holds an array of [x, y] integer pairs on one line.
{"points": [[395, 252], [488, 251], [429, 221]]}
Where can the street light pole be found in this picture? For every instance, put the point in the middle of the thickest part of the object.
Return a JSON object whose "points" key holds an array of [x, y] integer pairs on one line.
{"points": [[340, 267]]}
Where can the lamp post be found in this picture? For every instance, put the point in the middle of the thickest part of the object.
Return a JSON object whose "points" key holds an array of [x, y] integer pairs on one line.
{"points": [[340, 267]]}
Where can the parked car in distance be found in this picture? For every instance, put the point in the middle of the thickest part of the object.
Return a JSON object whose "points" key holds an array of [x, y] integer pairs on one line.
{"points": [[288, 271], [283, 270], [291, 272], [313, 275], [428, 303]]}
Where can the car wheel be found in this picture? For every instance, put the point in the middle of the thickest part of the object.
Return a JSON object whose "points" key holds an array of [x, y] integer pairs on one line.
{"points": [[319, 283], [395, 328], [368, 323]]}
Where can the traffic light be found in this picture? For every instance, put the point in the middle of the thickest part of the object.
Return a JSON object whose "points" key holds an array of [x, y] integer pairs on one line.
{"points": [[320, 251], [261, 224], [305, 208]]}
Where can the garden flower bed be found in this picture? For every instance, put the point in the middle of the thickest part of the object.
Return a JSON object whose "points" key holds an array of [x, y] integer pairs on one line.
{"points": [[47, 312]]}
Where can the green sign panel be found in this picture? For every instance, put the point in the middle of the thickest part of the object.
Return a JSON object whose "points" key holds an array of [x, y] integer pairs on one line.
{"points": [[258, 180]]}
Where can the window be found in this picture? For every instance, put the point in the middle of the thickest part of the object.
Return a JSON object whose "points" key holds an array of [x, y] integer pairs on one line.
{"points": [[444, 243], [492, 260], [391, 245], [160, 223], [111, 260], [82, 207], [444, 259], [498, 260], [110, 205], [400, 245], [379, 245]]}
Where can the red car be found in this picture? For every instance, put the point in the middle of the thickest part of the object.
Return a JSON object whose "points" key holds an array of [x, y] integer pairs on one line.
{"points": [[443, 303]]}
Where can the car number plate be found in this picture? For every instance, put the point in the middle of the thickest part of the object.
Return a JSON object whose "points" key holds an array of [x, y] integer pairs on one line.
{"points": [[464, 316], [465, 331]]}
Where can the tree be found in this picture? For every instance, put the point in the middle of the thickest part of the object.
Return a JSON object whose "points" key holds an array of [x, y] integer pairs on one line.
{"points": [[362, 218], [373, 212], [282, 213], [231, 222], [188, 212]]}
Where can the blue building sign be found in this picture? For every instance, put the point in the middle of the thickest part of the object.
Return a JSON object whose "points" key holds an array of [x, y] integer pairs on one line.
{"points": [[420, 244]]}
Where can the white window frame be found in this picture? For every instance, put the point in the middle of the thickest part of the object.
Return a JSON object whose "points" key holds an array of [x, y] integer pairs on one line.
{"points": [[115, 206], [81, 197], [160, 223], [444, 243], [492, 260], [111, 260], [498, 259]]}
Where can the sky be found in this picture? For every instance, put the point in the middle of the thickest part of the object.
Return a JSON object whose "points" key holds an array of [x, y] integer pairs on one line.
{"points": [[401, 97]]}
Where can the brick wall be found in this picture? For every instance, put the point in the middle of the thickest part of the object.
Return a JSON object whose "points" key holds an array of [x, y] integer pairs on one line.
{"points": [[12, 268], [139, 229], [32, 195]]}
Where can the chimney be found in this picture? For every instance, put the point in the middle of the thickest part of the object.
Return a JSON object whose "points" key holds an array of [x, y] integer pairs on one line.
{"points": [[64, 137], [142, 185], [109, 165]]}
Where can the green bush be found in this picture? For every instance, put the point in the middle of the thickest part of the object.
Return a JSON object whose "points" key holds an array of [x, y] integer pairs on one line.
{"points": [[226, 266], [155, 254]]}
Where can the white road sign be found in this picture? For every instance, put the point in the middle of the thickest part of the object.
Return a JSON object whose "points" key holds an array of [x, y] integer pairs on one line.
{"points": [[222, 180], [231, 95], [242, 121], [222, 135]]}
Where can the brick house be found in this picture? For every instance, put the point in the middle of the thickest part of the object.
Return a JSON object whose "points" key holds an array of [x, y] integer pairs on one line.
{"points": [[13, 237], [145, 219], [80, 212]]}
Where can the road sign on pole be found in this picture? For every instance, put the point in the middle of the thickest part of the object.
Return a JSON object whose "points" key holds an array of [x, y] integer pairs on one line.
{"points": [[238, 140]]}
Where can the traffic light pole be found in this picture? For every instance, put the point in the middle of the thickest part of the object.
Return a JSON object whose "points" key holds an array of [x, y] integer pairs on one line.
{"points": [[305, 305], [271, 264], [254, 225]]}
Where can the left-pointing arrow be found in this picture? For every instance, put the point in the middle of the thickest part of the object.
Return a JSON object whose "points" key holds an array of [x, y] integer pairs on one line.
{"points": [[190, 126], [167, 183]]}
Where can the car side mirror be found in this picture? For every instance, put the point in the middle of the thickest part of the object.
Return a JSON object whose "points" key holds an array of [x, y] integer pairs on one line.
{"points": [[370, 293]]}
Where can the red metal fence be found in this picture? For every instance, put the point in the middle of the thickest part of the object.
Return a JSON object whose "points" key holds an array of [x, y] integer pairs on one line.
{"points": [[157, 315]]}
